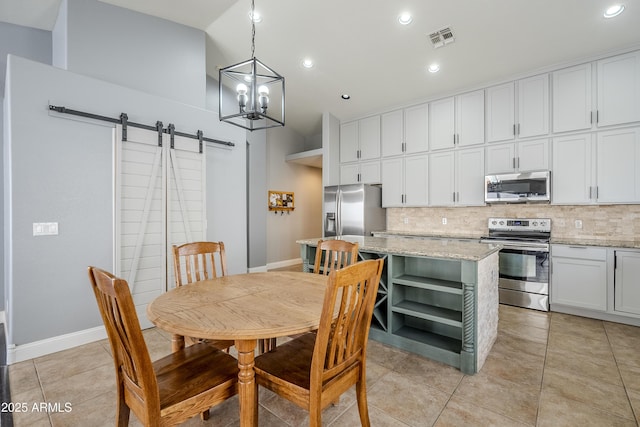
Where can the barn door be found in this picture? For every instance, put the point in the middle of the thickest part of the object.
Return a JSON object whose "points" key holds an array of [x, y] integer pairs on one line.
{"points": [[159, 202], [186, 213]]}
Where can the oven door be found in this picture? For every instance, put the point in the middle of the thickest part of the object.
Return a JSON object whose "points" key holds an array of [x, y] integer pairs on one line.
{"points": [[524, 269]]}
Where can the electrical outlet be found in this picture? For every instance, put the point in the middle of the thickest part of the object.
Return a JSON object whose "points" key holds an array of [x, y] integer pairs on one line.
{"points": [[578, 223], [444, 221], [405, 220]]}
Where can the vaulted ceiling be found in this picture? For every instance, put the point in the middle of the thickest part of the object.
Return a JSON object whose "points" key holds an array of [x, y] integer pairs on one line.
{"points": [[359, 47]]}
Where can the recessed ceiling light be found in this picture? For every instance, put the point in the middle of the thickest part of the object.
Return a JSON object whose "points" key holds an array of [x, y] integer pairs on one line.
{"points": [[345, 96], [255, 17], [405, 18], [307, 63], [614, 10], [434, 68]]}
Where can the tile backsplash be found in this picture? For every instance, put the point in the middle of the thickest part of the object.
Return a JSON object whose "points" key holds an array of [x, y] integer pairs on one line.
{"points": [[599, 223]]}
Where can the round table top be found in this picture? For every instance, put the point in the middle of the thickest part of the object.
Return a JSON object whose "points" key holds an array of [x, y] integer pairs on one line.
{"points": [[243, 306]]}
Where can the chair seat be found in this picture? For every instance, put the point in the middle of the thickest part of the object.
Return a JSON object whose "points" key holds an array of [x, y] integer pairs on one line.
{"points": [[187, 374], [297, 353]]}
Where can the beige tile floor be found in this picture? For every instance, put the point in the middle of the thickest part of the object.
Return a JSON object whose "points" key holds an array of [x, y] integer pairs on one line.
{"points": [[545, 369]]}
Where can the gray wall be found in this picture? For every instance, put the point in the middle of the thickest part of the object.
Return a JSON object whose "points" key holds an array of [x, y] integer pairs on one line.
{"points": [[306, 182], [60, 169], [29, 43], [132, 49]]}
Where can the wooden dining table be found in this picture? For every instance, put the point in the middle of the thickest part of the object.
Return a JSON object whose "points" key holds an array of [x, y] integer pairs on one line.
{"points": [[244, 308]]}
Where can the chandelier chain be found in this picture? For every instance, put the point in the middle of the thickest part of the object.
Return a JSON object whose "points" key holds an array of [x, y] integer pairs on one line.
{"points": [[253, 29]]}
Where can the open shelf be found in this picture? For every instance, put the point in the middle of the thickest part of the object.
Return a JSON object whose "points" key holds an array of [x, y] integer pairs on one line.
{"points": [[432, 339], [439, 285], [429, 312]]}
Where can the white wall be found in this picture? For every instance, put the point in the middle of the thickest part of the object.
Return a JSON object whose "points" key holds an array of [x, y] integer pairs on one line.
{"points": [[59, 169], [306, 183]]}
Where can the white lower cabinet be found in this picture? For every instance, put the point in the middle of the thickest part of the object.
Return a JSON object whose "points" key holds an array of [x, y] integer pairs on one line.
{"points": [[595, 281], [627, 281], [579, 277]]}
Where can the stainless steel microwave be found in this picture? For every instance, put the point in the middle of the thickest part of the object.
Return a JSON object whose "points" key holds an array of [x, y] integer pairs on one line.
{"points": [[518, 187]]}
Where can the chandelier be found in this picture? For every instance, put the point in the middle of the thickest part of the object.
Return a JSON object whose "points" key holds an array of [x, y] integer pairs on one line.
{"points": [[258, 102]]}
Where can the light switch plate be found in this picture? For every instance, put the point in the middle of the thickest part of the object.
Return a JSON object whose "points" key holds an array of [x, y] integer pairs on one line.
{"points": [[45, 228]]}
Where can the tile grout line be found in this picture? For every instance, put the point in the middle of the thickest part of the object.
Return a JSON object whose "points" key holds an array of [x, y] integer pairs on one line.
{"points": [[624, 385]]}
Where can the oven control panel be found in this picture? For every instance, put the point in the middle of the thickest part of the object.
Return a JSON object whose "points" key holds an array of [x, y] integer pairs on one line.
{"points": [[520, 224]]}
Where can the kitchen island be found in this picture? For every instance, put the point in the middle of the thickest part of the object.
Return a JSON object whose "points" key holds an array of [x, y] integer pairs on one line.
{"points": [[437, 298]]}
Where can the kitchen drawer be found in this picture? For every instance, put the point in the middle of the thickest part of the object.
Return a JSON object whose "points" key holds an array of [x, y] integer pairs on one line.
{"points": [[579, 252]]}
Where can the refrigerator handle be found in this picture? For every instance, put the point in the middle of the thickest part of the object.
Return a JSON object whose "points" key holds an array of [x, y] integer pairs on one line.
{"points": [[339, 213]]}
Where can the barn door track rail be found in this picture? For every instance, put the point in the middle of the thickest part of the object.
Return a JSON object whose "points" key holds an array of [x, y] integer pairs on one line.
{"points": [[124, 121]]}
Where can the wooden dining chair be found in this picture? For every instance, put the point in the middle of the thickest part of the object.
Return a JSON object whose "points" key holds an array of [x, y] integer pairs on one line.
{"points": [[170, 390], [333, 254], [313, 370], [196, 261]]}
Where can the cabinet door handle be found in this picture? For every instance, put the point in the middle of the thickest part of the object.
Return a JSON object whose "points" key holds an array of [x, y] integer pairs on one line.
{"points": [[591, 118], [404, 147], [454, 139], [590, 192], [358, 154], [513, 162], [518, 159], [514, 129], [518, 128], [358, 177], [597, 116]]}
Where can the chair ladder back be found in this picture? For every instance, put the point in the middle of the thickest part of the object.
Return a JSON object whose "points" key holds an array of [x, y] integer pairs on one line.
{"points": [[198, 260], [130, 353], [334, 254], [341, 339]]}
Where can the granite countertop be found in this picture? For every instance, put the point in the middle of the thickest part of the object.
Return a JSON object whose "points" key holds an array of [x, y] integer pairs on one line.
{"points": [[635, 244], [445, 248]]}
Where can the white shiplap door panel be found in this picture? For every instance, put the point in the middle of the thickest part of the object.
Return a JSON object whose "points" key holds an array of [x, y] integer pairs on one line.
{"points": [[140, 201], [186, 220]]}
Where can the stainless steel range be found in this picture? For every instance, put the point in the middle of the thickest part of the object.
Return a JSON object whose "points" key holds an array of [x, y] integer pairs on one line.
{"points": [[524, 260]]}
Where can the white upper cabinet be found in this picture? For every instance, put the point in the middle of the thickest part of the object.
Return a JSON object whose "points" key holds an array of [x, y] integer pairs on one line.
{"points": [[405, 131], [349, 142], [597, 168], [457, 121], [572, 104], [522, 156], [442, 123], [369, 138], [456, 178], [363, 172], [618, 166], [533, 106], [416, 129], [500, 113], [619, 90], [360, 140], [404, 181], [392, 133], [615, 101], [470, 118], [531, 118], [572, 177]]}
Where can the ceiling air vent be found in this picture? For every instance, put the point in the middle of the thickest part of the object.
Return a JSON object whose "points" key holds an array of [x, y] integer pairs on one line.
{"points": [[441, 37]]}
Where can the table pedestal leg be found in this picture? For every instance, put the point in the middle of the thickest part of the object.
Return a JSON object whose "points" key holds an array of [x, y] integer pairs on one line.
{"points": [[177, 343], [247, 386]]}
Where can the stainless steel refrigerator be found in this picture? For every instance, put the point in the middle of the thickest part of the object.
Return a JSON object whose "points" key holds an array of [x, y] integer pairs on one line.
{"points": [[354, 209]]}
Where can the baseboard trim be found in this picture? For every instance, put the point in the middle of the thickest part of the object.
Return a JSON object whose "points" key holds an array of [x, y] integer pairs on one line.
{"points": [[260, 269], [285, 263], [19, 353]]}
